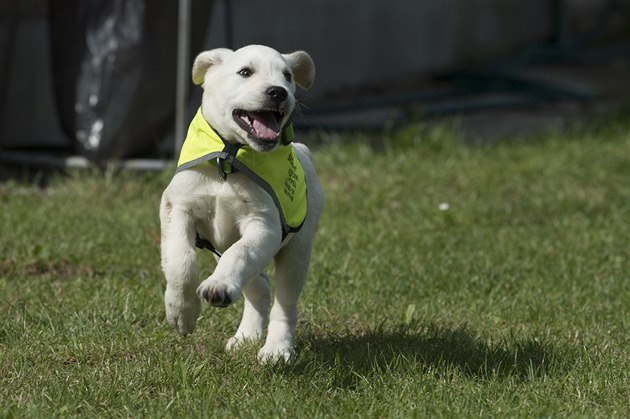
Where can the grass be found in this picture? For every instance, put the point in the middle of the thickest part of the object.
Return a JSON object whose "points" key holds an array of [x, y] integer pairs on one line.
{"points": [[514, 301]]}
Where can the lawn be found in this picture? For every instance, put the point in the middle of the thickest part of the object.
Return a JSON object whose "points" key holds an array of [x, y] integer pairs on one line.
{"points": [[447, 280]]}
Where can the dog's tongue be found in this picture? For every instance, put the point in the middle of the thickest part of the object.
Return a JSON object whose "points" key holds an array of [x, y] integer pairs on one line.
{"points": [[265, 125]]}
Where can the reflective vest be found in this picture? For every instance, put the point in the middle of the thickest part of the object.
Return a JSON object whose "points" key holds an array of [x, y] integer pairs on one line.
{"points": [[278, 172]]}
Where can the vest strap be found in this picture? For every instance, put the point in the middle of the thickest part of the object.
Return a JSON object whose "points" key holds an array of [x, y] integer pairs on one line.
{"points": [[225, 161], [202, 243]]}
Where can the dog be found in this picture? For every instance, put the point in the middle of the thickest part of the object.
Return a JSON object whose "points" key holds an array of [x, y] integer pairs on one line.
{"points": [[214, 201]]}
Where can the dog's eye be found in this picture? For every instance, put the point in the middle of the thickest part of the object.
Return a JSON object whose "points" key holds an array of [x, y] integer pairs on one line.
{"points": [[287, 76], [245, 72]]}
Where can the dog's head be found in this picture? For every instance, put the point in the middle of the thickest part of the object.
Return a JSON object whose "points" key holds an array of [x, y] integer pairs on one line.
{"points": [[249, 93]]}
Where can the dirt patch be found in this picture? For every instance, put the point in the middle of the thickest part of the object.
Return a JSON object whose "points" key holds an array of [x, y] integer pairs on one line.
{"points": [[5, 267]]}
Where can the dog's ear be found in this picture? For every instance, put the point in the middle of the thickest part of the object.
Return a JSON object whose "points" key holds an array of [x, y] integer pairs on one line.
{"points": [[205, 60], [303, 68]]}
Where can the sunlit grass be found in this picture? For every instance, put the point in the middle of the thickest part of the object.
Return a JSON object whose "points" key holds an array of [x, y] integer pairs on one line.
{"points": [[511, 300]]}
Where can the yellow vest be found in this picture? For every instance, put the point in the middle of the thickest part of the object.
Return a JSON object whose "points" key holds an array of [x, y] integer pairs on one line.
{"points": [[278, 172]]}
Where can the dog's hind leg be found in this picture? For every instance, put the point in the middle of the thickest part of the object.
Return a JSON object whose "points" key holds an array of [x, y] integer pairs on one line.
{"points": [[255, 313], [291, 269], [179, 263]]}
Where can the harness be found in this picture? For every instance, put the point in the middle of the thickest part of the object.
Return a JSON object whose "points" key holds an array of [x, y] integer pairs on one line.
{"points": [[278, 172]]}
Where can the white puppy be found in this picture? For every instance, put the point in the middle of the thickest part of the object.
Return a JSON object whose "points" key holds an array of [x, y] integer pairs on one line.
{"points": [[244, 190]]}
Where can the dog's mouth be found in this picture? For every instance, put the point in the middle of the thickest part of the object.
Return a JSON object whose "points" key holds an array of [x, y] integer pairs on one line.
{"points": [[261, 125]]}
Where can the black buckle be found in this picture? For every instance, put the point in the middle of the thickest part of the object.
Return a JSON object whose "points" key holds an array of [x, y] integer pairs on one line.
{"points": [[228, 154]]}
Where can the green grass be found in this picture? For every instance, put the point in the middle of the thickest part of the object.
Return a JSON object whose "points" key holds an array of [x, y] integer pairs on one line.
{"points": [[513, 302]]}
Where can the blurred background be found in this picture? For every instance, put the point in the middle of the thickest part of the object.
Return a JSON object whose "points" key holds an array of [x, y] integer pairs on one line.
{"points": [[96, 80]]}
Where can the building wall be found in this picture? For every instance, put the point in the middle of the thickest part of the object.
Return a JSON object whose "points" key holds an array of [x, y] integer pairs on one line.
{"points": [[362, 43]]}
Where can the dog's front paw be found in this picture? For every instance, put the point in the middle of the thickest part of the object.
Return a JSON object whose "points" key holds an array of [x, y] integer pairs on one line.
{"points": [[272, 354], [181, 313], [217, 293]]}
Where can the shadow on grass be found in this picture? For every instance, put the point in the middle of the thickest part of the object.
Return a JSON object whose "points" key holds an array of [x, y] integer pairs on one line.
{"points": [[431, 348]]}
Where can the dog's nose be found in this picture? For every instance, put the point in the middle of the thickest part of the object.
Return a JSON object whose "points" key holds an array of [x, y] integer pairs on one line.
{"points": [[277, 93]]}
